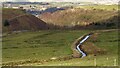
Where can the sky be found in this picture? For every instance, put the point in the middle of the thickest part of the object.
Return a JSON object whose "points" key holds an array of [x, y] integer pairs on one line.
{"points": [[45, 0], [60, 0]]}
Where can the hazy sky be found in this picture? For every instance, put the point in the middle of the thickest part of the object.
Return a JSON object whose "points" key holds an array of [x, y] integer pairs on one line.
{"points": [[60, 0], [46, 0]]}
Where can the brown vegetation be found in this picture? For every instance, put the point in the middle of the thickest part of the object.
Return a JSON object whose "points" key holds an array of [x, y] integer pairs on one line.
{"points": [[77, 18], [65, 19], [26, 22]]}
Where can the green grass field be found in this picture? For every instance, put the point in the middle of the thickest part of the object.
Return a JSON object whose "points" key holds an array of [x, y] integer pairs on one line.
{"points": [[43, 45]]}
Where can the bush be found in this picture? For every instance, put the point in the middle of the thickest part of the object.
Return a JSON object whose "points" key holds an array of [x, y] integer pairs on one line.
{"points": [[6, 23]]}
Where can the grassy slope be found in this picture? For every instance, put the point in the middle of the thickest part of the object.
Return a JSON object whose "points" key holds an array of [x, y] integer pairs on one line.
{"points": [[47, 44], [76, 16], [104, 7], [45, 41], [106, 40], [19, 20], [9, 13]]}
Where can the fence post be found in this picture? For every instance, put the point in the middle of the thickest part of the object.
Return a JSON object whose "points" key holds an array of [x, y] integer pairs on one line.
{"points": [[107, 60], [95, 63], [115, 62]]}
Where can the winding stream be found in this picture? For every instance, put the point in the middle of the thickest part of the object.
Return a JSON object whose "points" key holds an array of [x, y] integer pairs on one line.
{"points": [[78, 46]]}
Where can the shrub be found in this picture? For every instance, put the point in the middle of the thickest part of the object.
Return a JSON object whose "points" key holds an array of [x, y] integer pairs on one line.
{"points": [[6, 23]]}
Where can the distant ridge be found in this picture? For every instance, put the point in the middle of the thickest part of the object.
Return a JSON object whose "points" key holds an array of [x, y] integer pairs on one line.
{"points": [[26, 22], [19, 20]]}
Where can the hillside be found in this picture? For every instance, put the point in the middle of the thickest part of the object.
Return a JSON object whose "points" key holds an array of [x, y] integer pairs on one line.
{"points": [[10, 13], [80, 17], [15, 20], [53, 38], [26, 22], [74, 18], [103, 7], [38, 48]]}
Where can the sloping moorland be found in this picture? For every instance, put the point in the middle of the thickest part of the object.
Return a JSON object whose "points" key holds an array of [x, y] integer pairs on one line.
{"points": [[53, 47], [80, 17], [17, 19], [73, 18]]}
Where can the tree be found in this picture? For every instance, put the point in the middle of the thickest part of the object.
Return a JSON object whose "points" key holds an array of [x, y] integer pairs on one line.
{"points": [[6, 23]]}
